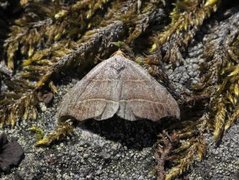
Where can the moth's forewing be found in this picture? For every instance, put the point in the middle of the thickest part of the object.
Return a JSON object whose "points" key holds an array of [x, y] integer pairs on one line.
{"points": [[118, 86]]}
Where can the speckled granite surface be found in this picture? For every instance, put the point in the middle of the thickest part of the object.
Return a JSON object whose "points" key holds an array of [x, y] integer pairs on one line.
{"points": [[113, 149]]}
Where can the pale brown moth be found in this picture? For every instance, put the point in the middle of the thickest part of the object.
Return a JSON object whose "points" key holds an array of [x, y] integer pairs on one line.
{"points": [[118, 86]]}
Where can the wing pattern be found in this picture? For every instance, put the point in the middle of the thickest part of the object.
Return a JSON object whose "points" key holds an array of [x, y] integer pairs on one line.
{"points": [[118, 86]]}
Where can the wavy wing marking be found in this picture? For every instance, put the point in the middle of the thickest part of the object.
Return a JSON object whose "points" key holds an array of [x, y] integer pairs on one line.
{"points": [[142, 97], [95, 96], [118, 86]]}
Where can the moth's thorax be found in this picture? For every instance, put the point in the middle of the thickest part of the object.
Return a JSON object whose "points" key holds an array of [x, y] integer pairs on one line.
{"points": [[118, 65]]}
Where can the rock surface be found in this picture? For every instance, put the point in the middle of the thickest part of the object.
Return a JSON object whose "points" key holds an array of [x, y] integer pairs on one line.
{"points": [[112, 149]]}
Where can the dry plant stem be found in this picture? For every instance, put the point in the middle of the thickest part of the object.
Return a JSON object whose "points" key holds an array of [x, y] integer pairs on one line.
{"points": [[54, 22], [223, 76], [162, 152], [62, 131], [197, 148], [142, 25], [180, 148], [183, 27], [234, 117], [219, 122]]}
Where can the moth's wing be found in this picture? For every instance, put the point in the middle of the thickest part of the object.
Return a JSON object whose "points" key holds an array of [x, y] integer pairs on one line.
{"points": [[142, 97], [95, 96]]}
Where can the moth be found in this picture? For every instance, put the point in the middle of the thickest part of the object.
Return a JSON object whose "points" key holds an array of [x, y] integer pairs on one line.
{"points": [[118, 86]]}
